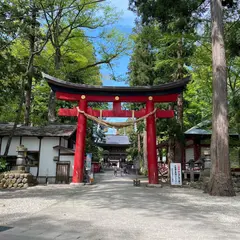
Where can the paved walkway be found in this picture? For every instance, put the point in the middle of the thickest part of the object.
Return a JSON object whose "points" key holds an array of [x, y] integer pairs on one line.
{"points": [[113, 209]]}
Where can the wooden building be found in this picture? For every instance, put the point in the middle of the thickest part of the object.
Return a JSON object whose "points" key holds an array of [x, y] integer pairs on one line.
{"points": [[114, 149], [50, 150], [198, 140]]}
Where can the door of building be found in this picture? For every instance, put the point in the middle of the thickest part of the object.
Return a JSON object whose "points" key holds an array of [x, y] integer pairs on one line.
{"points": [[62, 172]]}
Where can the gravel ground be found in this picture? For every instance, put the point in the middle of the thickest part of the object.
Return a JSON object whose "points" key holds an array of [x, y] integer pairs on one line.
{"points": [[114, 209]]}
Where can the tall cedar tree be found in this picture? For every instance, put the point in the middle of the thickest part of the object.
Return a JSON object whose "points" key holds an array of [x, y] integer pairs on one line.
{"points": [[220, 183], [165, 11]]}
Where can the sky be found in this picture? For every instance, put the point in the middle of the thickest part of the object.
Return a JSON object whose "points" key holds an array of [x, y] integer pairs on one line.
{"points": [[125, 25]]}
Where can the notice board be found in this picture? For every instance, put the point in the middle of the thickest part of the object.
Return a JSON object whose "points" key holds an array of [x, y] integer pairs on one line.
{"points": [[176, 174]]}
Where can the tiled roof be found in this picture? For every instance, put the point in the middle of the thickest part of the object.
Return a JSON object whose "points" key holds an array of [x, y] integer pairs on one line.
{"points": [[117, 139], [41, 131]]}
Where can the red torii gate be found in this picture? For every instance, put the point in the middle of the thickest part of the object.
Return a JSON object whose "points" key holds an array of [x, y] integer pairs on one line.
{"points": [[83, 94]]}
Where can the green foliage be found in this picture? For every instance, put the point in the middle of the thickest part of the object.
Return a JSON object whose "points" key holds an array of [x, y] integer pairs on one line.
{"points": [[198, 96], [3, 164], [50, 36], [172, 17], [169, 40]]}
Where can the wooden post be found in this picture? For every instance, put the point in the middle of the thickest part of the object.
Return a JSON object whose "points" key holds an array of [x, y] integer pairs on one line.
{"points": [[151, 145], [80, 143]]}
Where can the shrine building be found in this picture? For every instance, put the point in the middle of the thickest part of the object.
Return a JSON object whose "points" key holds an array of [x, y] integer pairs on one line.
{"points": [[114, 149]]}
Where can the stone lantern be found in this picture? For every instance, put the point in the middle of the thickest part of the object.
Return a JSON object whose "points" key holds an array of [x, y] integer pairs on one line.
{"points": [[207, 160], [21, 157], [207, 164]]}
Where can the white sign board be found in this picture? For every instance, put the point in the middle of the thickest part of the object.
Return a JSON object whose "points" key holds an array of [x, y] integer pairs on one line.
{"points": [[89, 161], [176, 174]]}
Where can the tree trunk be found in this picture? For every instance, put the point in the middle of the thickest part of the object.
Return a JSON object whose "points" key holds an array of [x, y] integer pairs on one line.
{"points": [[28, 90], [17, 119], [57, 61], [52, 108], [52, 99], [145, 161], [180, 70], [28, 93], [220, 183], [179, 148], [170, 153], [29, 75]]}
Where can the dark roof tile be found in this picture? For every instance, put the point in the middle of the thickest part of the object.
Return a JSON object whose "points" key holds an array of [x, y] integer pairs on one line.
{"points": [[41, 131]]}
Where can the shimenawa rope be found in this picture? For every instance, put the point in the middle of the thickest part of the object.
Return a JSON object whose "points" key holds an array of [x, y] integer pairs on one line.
{"points": [[115, 124]]}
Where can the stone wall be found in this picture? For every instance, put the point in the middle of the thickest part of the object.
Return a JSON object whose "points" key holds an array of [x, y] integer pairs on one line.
{"points": [[236, 183], [15, 180], [203, 183]]}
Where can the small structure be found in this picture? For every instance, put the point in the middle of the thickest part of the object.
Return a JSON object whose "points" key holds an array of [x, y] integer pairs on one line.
{"points": [[114, 148], [198, 140], [197, 148], [19, 178], [50, 151]]}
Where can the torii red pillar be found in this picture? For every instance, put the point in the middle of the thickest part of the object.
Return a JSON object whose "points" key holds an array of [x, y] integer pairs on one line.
{"points": [[151, 144], [80, 143]]}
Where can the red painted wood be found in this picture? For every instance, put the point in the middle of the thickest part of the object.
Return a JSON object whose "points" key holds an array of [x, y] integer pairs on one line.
{"points": [[80, 144], [113, 113], [151, 146], [117, 107], [68, 96], [77, 97]]}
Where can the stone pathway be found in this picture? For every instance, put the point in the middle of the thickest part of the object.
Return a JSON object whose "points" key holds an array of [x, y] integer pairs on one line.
{"points": [[114, 209]]}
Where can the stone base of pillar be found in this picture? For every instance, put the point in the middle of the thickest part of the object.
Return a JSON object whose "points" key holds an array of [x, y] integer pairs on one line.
{"points": [[77, 184], [154, 185]]}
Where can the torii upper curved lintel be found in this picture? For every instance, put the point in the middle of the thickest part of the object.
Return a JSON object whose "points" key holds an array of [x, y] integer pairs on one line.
{"points": [[58, 85]]}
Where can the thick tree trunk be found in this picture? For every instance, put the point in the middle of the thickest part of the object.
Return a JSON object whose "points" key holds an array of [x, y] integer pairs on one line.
{"points": [[220, 183], [28, 90], [179, 148]]}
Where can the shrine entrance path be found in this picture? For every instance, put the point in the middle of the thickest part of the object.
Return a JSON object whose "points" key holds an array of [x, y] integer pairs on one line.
{"points": [[113, 209]]}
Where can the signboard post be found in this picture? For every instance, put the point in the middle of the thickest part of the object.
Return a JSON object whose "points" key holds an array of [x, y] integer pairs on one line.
{"points": [[89, 167], [89, 161], [176, 174]]}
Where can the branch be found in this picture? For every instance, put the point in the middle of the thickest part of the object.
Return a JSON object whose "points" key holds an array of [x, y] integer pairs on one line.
{"points": [[72, 7], [8, 43], [107, 61]]}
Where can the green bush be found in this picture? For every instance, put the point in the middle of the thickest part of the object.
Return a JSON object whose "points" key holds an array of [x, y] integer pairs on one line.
{"points": [[3, 164]]}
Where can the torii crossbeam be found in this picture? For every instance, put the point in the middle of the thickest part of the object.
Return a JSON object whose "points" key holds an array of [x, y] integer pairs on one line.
{"points": [[83, 94]]}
